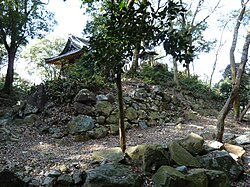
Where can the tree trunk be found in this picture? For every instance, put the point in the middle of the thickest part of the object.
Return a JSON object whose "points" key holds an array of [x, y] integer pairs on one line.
{"points": [[8, 85], [236, 107], [244, 112], [175, 68], [223, 113], [121, 111], [188, 70], [235, 90], [236, 104], [135, 62]]}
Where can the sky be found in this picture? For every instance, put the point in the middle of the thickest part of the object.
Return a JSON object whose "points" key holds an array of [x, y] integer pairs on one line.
{"points": [[70, 17], [71, 20]]}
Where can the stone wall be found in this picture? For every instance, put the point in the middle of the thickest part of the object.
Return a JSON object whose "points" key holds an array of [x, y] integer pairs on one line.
{"points": [[97, 115]]}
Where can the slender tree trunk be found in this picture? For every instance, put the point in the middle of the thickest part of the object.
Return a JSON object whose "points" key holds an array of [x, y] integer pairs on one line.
{"points": [[236, 107], [236, 104], [135, 62], [122, 133], [188, 70], [8, 85], [235, 90], [244, 112], [222, 115], [175, 68]]}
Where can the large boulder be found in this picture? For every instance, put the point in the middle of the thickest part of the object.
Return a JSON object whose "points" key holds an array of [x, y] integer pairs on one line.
{"points": [[197, 178], [112, 175], [81, 108], [81, 123], [243, 139], [167, 176], [181, 156], [109, 154], [193, 143], [131, 114], [207, 178], [235, 151], [103, 108], [139, 94], [10, 179], [222, 161], [64, 180], [35, 102], [217, 178], [85, 96], [149, 157]]}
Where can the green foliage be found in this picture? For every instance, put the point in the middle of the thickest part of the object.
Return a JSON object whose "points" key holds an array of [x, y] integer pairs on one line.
{"points": [[178, 46], [35, 54], [24, 19], [3, 56], [198, 88], [225, 85], [225, 88], [120, 26], [21, 87], [21, 20], [80, 75], [159, 75]]}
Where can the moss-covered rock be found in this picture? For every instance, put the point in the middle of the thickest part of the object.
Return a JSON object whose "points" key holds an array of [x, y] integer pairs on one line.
{"points": [[131, 114], [112, 175], [103, 108], [206, 178], [100, 132], [167, 176], [181, 156], [149, 157], [193, 143], [110, 154], [197, 178], [81, 123], [113, 118], [217, 178], [222, 161]]}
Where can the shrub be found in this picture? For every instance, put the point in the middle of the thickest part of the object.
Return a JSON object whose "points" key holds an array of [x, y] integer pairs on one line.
{"points": [[78, 77], [161, 76], [156, 75]]}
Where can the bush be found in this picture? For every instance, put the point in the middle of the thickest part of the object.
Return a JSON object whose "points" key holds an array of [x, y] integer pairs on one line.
{"points": [[198, 88], [161, 76], [78, 77], [156, 75]]}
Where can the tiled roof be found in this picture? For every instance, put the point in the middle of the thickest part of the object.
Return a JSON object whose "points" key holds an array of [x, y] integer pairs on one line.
{"points": [[73, 47]]}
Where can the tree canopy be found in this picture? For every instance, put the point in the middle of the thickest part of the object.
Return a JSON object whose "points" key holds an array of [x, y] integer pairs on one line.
{"points": [[21, 20], [35, 54]]}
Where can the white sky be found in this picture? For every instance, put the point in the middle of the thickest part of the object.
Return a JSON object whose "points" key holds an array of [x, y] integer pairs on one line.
{"points": [[71, 20], [69, 16]]}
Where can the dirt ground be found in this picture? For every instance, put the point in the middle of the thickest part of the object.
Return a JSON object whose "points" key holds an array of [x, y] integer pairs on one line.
{"points": [[35, 153]]}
